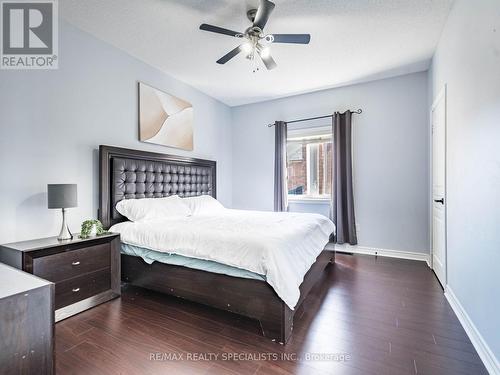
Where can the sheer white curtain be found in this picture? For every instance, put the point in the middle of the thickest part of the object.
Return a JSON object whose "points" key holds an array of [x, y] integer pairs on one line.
{"points": [[280, 177]]}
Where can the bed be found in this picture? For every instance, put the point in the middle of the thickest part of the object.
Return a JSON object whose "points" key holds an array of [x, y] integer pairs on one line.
{"points": [[203, 276]]}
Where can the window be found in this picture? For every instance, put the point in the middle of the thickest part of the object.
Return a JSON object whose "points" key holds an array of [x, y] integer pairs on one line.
{"points": [[309, 163]]}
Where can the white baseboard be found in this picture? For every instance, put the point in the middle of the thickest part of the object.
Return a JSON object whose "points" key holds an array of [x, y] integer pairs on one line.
{"points": [[485, 353], [356, 249]]}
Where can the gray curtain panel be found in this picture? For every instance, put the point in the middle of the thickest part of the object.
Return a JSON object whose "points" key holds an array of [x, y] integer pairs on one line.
{"points": [[280, 183], [342, 205]]}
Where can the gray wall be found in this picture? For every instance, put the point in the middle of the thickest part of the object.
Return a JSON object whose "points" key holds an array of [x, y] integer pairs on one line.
{"points": [[52, 122], [468, 61], [391, 156]]}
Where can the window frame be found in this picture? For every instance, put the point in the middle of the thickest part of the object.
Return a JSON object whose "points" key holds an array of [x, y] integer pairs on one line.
{"points": [[304, 134]]}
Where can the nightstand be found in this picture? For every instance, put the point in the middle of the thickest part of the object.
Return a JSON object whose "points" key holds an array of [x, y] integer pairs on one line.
{"points": [[86, 272]]}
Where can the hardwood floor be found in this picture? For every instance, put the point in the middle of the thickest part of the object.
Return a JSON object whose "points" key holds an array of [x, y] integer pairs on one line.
{"points": [[385, 316]]}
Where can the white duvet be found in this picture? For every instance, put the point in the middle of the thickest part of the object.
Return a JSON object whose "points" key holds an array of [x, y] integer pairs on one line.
{"points": [[282, 246]]}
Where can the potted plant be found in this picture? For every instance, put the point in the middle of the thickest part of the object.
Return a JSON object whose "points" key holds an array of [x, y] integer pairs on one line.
{"points": [[92, 228]]}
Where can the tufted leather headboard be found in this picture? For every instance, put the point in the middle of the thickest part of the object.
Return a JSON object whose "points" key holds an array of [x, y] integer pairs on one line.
{"points": [[134, 174]]}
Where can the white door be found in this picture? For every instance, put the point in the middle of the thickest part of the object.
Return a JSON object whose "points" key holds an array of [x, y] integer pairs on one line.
{"points": [[438, 117]]}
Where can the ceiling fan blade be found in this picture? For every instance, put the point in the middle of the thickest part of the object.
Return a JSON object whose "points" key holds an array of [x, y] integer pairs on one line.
{"points": [[292, 38], [228, 56], [268, 61], [220, 30], [265, 9]]}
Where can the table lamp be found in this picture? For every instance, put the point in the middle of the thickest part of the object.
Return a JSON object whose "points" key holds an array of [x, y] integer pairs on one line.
{"points": [[62, 196]]}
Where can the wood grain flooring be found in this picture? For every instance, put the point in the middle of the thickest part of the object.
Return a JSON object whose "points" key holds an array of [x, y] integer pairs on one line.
{"points": [[366, 315]]}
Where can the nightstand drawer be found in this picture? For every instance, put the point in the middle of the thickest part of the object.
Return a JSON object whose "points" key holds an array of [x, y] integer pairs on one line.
{"points": [[81, 287], [72, 263]]}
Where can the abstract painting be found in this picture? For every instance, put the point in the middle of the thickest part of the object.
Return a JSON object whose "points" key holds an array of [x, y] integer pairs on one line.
{"points": [[164, 119]]}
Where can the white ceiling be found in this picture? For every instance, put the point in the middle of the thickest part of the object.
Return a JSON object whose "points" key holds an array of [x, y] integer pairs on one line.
{"points": [[351, 41]]}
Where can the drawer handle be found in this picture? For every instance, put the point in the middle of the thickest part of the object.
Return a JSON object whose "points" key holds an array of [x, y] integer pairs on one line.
{"points": [[76, 290], [75, 263]]}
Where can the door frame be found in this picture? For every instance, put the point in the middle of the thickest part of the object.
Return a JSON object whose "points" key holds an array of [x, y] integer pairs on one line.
{"points": [[442, 95]]}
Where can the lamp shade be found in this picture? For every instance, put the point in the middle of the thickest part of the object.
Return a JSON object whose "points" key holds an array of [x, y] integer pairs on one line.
{"points": [[61, 195]]}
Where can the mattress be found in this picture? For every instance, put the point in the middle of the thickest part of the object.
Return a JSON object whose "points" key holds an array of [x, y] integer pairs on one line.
{"points": [[150, 256], [281, 246]]}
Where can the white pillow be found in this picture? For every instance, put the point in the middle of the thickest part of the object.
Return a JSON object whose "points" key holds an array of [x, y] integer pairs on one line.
{"points": [[152, 208], [203, 204]]}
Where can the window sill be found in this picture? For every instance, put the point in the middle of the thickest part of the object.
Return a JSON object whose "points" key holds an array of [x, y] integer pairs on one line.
{"points": [[309, 200]]}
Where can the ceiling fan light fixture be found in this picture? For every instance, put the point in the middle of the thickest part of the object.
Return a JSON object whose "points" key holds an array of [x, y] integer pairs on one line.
{"points": [[265, 53], [247, 48]]}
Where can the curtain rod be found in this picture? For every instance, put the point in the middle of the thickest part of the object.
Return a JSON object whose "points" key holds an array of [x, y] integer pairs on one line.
{"points": [[358, 112]]}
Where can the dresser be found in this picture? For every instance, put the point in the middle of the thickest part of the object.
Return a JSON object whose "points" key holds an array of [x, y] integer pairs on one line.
{"points": [[26, 323], [86, 272]]}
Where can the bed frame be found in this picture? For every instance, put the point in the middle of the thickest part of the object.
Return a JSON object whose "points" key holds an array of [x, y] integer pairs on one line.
{"points": [[134, 174]]}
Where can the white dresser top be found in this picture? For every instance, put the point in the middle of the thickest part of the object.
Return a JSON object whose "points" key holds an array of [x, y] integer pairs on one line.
{"points": [[14, 281]]}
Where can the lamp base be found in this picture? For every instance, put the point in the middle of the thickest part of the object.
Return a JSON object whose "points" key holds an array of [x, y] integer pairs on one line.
{"points": [[65, 233]]}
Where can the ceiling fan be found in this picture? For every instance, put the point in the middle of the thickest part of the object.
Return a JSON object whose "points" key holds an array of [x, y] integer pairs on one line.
{"points": [[255, 41]]}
